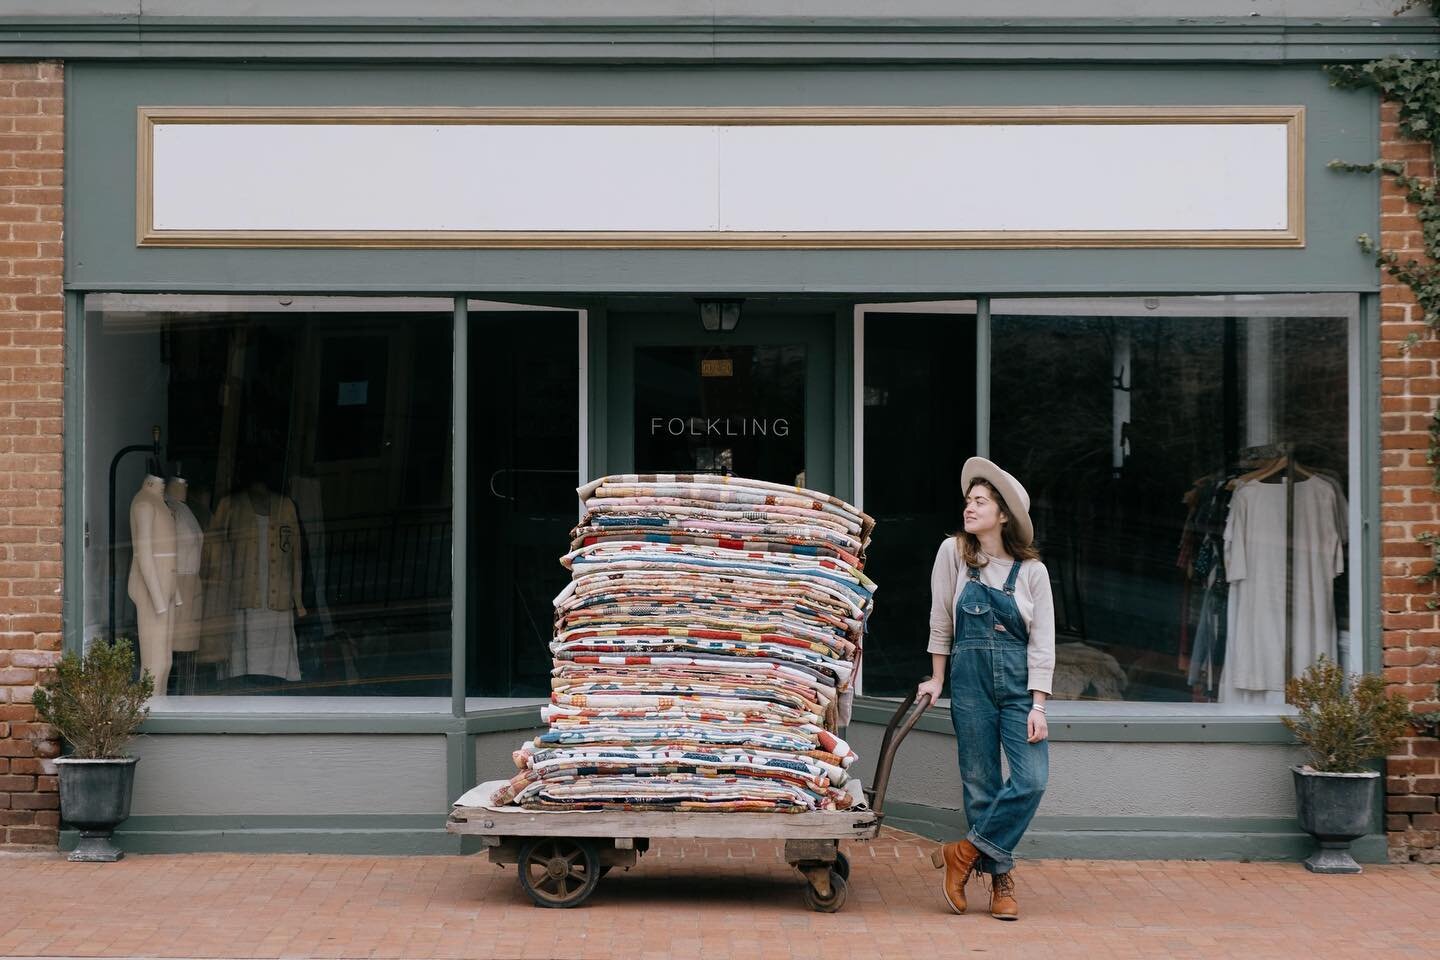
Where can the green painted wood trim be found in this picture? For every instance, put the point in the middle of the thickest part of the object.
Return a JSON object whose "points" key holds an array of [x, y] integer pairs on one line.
{"points": [[288, 821], [504, 719], [459, 504], [1369, 387], [982, 376], [719, 39], [1370, 568], [519, 717], [532, 292], [597, 347], [1129, 838], [283, 724], [869, 710], [459, 766], [843, 485], [376, 834], [1117, 728], [1139, 838], [73, 469]]}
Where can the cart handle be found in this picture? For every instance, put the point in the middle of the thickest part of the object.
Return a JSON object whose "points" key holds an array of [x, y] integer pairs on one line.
{"points": [[900, 725]]}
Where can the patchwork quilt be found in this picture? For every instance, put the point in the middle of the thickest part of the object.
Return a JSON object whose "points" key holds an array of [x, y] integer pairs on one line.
{"points": [[703, 650]]}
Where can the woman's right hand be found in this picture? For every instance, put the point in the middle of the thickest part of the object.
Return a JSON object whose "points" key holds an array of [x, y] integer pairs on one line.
{"points": [[932, 686]]}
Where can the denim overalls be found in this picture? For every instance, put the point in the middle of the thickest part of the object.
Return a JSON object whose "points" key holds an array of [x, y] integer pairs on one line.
{"points": [[990, 706]]}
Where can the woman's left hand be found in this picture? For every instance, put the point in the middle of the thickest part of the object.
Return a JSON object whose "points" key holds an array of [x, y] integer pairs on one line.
{"points": [[1037, 728]]}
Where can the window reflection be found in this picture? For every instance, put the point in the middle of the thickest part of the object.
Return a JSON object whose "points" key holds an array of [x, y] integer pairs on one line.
{"points": [[291, 535], [1188, 474]]}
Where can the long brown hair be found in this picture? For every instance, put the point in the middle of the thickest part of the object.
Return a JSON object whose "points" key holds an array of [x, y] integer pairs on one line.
{"points": [[969, 544]]}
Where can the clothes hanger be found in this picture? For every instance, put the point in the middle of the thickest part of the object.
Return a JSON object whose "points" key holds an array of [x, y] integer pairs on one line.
{"points": [[1270, 469]]}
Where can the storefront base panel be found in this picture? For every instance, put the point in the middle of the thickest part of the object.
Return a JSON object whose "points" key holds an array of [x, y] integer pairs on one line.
{"points": [[493, 750], [1214, 801], [1087, 838], [380, 835], [241, 777], [1139, 781], [1140, 838]]}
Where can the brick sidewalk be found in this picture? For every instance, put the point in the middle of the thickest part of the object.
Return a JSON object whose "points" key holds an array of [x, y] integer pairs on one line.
{"points": [[709, 899]]}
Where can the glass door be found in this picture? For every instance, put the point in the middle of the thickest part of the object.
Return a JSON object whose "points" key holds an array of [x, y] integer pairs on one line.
{"points": [[918, 425], [524, 425], [755, 401]]}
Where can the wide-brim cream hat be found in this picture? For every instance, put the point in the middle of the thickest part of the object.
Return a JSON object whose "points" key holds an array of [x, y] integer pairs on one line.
{"points": [[1017, 501]]}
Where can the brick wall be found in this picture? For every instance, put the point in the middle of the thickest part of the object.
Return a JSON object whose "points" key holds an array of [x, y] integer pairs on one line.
{"points": [[1409, 392], [32, 325]]}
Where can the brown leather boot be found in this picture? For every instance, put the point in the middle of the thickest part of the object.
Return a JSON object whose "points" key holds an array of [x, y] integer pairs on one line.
{"points": [[958, 859], [1002, 897]]}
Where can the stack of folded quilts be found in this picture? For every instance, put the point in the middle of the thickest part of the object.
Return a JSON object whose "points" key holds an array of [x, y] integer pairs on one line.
{"points": [[704, 650]]}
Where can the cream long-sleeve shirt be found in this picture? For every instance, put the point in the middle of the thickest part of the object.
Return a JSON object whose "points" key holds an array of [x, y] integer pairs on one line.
{"points": [[1032, 597]]}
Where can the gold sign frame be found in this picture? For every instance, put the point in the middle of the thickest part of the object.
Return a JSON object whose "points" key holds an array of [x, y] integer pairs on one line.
{"points": [[1291, 236]]}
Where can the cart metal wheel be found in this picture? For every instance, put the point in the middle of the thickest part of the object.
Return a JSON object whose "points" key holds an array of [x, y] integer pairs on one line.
{"points": [[558, 872], [842, 865], [829, 904]]}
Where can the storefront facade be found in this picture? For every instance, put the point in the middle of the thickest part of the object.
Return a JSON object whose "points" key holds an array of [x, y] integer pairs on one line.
{"points": [[390, 293]]}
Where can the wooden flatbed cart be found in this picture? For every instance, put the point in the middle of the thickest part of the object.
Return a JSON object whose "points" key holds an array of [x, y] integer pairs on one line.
{"points": [[561, 855]]}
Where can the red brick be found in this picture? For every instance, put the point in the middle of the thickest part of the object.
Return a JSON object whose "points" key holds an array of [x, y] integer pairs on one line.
{"points": [[31, 375], [1405, 657], [13, 747], [1414, 766], [34, 836], [1403, 804], [31, 766], [35, 801]]}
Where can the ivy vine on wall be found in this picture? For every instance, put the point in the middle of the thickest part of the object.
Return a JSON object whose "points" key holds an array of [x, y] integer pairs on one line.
{"points": [[1414, 85]]}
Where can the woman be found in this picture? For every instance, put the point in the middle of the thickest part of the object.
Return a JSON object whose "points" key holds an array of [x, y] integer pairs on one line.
{"points": [[993, 617]]}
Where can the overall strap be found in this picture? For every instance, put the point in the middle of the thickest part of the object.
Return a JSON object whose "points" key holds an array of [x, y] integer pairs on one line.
{"points": [[1014, 575]]}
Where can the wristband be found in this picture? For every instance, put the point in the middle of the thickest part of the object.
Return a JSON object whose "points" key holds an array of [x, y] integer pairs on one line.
{"points": [[1037, 706]]}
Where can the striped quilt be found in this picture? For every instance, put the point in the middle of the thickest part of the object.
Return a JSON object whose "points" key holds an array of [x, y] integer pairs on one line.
{"points": [[703, 650]]}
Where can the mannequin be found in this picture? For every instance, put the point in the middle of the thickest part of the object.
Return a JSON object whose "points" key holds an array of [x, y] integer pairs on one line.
{"points": [[256, 533], [152, 577], [187, 622]]}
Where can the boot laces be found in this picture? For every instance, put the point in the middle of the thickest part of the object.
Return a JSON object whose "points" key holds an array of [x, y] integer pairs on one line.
{"points": [[1002, 885]]}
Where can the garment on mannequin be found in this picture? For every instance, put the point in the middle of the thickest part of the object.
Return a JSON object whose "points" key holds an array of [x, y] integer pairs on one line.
{"points": [[255, 535], [188, 617], [152, 584]]}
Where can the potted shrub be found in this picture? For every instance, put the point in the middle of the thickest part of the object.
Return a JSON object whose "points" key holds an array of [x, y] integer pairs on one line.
{"points": [[96, 705], [1343, 721]]}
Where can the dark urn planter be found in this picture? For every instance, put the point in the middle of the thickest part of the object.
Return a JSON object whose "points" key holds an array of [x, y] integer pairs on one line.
{"points": [[95, 798], [1334, 808]]}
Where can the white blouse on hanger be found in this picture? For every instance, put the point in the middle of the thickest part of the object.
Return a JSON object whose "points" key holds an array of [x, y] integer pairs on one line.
{"points": [[1255, 565]]}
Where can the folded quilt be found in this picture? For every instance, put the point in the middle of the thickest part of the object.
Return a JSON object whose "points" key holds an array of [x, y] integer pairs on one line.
{"points": [[703, 650], [690, 558], [727, 511]]}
